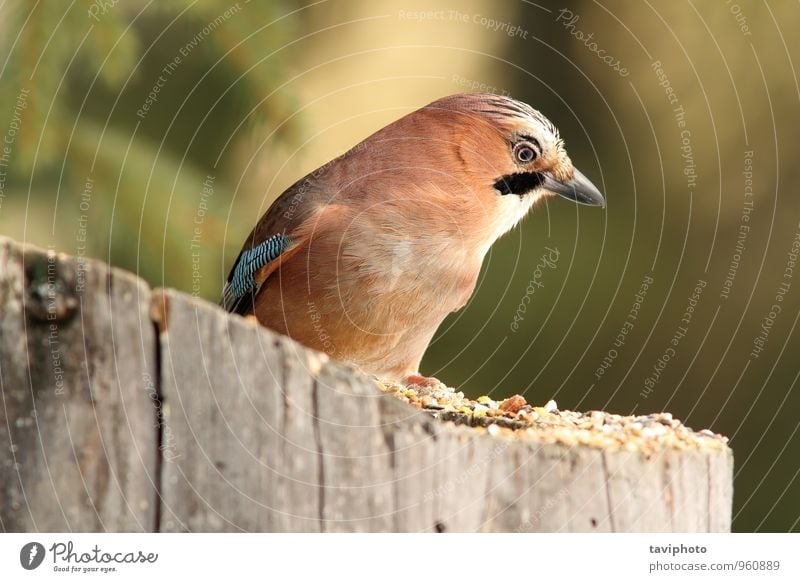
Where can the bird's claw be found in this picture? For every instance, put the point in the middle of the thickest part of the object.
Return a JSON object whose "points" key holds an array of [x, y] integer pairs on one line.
{"points": [[423, 381]]}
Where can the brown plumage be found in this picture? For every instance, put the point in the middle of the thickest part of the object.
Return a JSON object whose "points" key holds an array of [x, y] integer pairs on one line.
{"points": [[386, 240]]}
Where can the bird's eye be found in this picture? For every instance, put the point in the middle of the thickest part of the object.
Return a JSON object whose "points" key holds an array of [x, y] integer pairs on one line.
{"points": [[524, 152]]}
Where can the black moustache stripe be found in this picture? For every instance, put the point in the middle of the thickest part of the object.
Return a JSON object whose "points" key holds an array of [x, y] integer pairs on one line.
{"points": [[519, 183]]}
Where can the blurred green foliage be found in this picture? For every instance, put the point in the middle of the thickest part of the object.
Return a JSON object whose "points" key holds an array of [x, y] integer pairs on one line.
{"points": [[143, 102]]}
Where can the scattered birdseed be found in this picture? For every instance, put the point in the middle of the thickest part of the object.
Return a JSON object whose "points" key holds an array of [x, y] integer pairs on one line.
{"points": [[514, 404], [514, 417]]}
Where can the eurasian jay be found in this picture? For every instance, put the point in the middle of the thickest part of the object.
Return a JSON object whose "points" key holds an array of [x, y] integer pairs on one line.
{"points": [[364, 257]]}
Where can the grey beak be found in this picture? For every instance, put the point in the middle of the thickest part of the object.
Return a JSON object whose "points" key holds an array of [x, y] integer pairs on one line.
{"points": [[579, 189]]}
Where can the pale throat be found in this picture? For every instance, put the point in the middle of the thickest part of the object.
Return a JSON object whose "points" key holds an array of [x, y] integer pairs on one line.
{"points": [[511, 210]]}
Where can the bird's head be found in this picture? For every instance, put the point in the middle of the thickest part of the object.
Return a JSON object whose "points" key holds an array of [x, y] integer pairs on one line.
{"points": [[512, 154]]}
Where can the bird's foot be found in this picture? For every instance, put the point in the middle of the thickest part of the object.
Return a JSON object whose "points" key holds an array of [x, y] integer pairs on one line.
{"points": [[423, 381]]}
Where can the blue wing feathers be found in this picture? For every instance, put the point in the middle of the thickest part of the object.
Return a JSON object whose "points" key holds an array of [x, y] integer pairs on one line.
{"points": [[242, 280]]}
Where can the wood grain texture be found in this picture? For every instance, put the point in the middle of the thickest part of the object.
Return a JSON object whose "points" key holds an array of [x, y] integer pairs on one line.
{"points": [[78, 444], [198, 420], [274, 437]]}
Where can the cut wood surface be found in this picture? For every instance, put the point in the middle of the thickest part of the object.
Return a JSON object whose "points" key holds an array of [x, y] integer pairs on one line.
{"points": [[126, 409]]}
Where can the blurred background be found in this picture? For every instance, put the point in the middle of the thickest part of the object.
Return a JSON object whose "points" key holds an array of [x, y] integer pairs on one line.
{"points": [[153, 134]]}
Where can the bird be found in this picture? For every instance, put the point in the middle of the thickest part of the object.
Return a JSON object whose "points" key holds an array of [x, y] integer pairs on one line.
{"points": [[364, 257]]}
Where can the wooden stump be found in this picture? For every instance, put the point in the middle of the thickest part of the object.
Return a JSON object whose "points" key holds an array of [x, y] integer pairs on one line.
{"points": [[77, 372], [160, 412]]}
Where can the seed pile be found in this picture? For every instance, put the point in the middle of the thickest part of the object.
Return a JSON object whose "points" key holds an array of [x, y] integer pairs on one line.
{"points": [[515, 418]]}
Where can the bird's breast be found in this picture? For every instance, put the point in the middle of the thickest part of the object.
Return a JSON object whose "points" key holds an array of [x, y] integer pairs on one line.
{"points": [[405, 280]]}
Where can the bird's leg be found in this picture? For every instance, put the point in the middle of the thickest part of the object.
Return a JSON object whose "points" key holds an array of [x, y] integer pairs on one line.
{"points": [[423, 381]]}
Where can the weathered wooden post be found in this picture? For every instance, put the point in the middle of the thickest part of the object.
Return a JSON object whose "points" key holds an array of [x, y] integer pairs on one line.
{"points": [[126, 409], [77, 367]]}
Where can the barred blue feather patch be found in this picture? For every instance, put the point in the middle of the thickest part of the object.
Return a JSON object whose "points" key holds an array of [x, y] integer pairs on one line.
{"points": [[251, 260]]}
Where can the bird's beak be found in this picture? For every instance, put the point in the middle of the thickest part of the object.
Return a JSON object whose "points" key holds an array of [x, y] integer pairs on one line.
{"points": [[579, 189]]}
